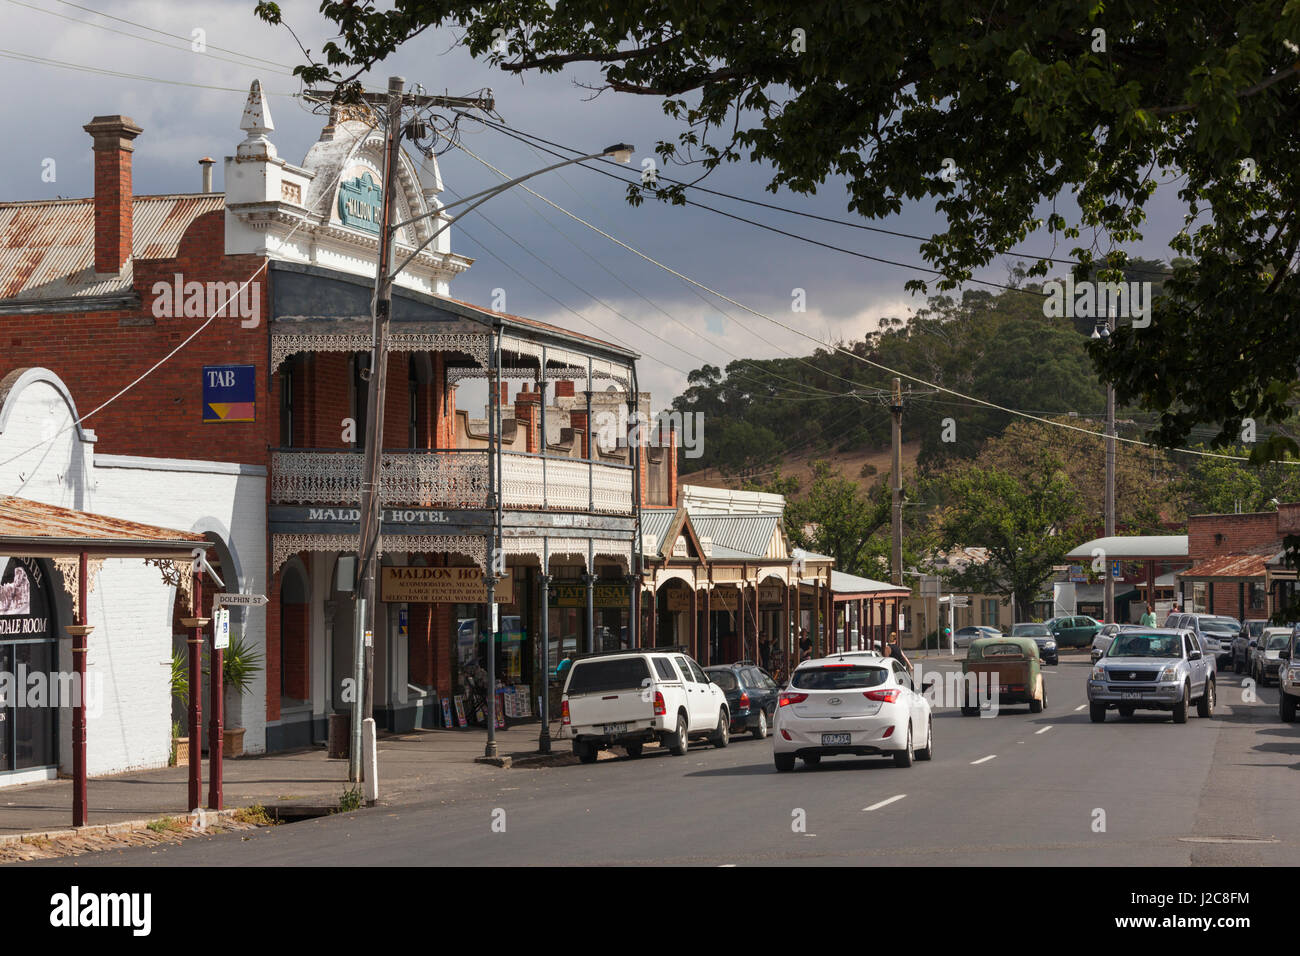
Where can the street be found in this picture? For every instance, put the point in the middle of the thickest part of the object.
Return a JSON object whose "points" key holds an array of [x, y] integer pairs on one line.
{"points": [[1048, 789]]}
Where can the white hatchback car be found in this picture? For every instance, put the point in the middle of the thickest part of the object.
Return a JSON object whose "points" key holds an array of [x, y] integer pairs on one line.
{"points": [[856, 704]]}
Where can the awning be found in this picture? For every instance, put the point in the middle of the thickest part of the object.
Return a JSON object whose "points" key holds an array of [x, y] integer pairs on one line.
{"points": [[1138, 547], [1228, 567]]}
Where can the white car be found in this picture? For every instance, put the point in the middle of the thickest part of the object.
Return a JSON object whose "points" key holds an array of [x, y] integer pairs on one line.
{"points": [[865, 705], [631, 698]]}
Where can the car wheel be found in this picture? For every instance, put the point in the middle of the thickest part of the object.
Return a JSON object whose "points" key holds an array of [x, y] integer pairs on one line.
{"points": [[812, 761], [927, 752], [1097, 712], [679, 743], [1285, 705], [722, 735], [760, 731], [1205, 706], [1180, 708], [634, 749], [784, 762], [586, 752], [1038, 703], [1126, 710], [903, 758]]}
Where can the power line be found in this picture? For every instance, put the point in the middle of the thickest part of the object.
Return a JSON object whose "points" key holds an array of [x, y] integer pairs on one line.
{"points": [[82, 68]]}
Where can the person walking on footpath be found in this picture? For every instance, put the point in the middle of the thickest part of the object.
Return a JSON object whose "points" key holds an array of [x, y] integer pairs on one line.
{"points": [[895, 650], [1149, 618]]}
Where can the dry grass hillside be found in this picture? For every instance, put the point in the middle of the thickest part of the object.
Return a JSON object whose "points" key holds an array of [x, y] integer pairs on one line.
{"points": [[800, 466]]}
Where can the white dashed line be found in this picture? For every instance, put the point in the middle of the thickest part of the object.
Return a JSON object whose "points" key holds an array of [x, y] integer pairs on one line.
{"points": [[983, 759], [883, 803], [1044, 730], [1081, 707]]}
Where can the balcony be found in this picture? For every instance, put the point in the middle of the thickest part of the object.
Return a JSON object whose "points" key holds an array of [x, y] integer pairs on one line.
{"points": [[451, 478]]}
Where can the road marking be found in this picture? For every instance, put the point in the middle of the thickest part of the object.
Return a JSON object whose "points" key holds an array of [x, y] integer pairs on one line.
{"points": [[883, 803], [1081, 707], [1044, 730], [983, 759]]}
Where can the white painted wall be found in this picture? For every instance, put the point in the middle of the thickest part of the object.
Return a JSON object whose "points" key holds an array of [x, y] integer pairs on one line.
{"points": [[45, 457]]}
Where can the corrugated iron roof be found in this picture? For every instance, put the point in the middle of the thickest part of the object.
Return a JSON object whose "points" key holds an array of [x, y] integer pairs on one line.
{"points": [[1136, 547], [749, 535], [844, 583], [47, 248], [26, 520], [1232, 566], [657, 522]]}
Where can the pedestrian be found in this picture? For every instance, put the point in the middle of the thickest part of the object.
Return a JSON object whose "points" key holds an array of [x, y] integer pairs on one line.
{"points": [[1149, 618], [805, 645], [895, 650]]}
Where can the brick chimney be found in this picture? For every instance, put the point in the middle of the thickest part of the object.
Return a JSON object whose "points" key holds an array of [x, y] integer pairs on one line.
{"points": [[113, 149]]}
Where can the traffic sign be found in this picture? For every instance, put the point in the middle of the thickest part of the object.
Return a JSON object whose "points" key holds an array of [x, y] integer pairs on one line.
{"points": [[220, 629], [239, 600]]}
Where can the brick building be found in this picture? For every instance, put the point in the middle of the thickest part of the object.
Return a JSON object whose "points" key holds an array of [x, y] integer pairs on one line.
{"points": [[1238, 567], [219, 343]]}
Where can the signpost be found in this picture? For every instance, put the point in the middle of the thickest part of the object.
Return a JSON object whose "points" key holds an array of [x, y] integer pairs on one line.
{"points": [[220, 629], [238, 600]]}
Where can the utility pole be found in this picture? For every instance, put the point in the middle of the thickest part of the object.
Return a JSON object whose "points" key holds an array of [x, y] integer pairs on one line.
{"points": [[367, 619], [896, 556], [1109, 586]]}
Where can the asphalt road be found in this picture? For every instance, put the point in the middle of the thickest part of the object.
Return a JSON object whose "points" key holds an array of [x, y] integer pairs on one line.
{"points": [[1010, 790]]}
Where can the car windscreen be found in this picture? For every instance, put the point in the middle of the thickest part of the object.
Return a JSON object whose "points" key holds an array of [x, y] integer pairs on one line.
{"points": [[1031, 630], [594, 677], [1219, 626], [1145, 645], [838, 677], [724, 679], [1277, 642]]}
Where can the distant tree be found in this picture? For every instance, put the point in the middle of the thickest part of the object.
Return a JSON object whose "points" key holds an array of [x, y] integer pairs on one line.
{"points": [[1027, 522]]}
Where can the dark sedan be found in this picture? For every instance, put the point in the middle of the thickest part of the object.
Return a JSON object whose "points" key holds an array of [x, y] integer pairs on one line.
{"points": [[751, 696], [1041, 635]]}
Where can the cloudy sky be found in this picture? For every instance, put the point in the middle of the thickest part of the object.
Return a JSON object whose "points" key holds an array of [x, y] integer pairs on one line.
{"points": [[550, 267]]}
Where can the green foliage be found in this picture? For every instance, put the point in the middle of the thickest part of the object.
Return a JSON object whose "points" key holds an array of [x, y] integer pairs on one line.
{"points": [[180, 680], [351, 799], [1220, 486], [1026, 521], [240, 663]]}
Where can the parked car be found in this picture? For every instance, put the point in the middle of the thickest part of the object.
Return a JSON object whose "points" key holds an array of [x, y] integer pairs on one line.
{"points": [[1288, 678], [1153, 669], [628, 699], [1266, 653], [965, 635], [1075, 630], [1215, 633], [1106, 635], [1012, 665], [751, 696], [1041, 635], [1250, 632], [863, 706]]}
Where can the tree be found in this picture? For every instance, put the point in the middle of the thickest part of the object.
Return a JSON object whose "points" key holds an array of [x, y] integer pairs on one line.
{"points": [[994, 113], [1223, 486], [838, 517], [1026, 522]]}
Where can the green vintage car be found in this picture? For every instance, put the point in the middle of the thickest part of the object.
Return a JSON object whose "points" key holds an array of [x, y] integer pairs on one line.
{"points": [[1008, 669], [1074, 631]]}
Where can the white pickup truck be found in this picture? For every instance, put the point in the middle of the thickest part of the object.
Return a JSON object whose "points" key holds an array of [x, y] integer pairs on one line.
{"points": [[633, 697]]}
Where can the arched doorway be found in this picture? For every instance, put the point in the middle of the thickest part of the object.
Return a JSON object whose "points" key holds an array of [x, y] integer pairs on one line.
{"points": [[295, 635], [28, 646]]}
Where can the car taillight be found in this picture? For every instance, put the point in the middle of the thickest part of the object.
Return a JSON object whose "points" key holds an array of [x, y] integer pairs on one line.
{"points": [[564, 712], [744, 699], [887, 696], [792, 699], [660, 709]]}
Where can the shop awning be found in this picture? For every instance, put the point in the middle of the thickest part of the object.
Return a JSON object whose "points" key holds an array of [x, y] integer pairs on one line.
{"points": [[1228, 567], [32, 529]]}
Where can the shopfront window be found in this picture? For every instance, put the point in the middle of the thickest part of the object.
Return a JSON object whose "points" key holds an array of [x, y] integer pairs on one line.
{"points": [[28, 646]]}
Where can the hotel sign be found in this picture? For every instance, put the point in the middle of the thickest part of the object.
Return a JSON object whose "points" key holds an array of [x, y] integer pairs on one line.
{"points": [[460, 585], [602, 595], [361, 203]]}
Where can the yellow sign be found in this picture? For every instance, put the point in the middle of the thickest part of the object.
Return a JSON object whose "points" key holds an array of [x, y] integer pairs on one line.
{"points": [[725, 599], [678, 599], [462, 585]]}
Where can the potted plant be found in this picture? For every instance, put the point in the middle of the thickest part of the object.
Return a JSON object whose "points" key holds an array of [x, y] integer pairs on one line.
{"points": [[241, 663], [181, 692]]}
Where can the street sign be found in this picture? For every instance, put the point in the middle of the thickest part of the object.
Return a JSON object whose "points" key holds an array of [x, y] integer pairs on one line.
{"points": [[239, 600], [961, 600], [220, 629]]}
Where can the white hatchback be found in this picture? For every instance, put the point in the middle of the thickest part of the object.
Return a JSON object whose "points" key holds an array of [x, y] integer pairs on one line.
{"points": [[856, 704]]}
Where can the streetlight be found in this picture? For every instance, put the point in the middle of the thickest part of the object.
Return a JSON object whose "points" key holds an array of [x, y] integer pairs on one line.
{"points": [[368, 550]]}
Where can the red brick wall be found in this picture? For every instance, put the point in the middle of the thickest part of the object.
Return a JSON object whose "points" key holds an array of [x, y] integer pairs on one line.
{"points": [[98, 353], [528, 414], [273, 649], [295, 637], [1241, 534]]}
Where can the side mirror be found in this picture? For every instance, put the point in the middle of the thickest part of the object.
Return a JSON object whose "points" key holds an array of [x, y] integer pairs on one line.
{"points": [[1254, 644], [1284, 655], [1194, 656], [928, 683]]}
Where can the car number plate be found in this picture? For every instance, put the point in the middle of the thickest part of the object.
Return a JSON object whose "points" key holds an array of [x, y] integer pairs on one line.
{"points": [[835, 740], [616, 728], [1130, 695]]}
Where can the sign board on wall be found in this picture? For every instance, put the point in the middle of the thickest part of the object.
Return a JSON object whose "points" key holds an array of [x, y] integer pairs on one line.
{"points": [[459, 585], [602, 595], [360, 200], [229, 393], [724, 599]]}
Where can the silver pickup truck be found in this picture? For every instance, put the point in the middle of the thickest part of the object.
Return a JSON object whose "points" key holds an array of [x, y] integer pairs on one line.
{"points": [[1153, 669]]}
